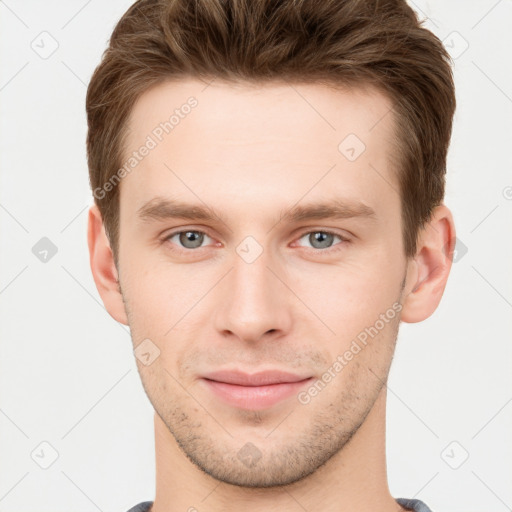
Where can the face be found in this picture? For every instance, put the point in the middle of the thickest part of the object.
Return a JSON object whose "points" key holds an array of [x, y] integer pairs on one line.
{"points": [[260, 234]]}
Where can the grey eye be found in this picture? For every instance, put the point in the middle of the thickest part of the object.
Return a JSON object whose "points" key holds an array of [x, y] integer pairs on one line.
{"points": [[321, 239], [190, 239]]}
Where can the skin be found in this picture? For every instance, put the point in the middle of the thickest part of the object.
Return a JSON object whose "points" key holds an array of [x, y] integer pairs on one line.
{"points": [[253, 153]]}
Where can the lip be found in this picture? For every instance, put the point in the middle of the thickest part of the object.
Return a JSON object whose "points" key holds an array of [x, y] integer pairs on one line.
{"points": [[257, 391], [256, 379]]}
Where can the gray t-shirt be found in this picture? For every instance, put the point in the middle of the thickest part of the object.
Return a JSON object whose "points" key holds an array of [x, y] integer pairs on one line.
{"points": [[410, 504]]}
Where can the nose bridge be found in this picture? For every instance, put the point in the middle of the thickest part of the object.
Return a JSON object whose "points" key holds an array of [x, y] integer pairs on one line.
{"points": [[255, 299]]}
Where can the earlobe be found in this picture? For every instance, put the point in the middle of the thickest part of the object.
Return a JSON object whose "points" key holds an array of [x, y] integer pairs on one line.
{"points": [[428, 272], [103, 267]]}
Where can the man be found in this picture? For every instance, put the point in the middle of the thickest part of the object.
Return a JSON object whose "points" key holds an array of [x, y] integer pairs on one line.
{"points": [[269, 181]]}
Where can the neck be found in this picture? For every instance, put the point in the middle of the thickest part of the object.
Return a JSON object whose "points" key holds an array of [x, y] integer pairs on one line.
{"points": [[353, 479]]}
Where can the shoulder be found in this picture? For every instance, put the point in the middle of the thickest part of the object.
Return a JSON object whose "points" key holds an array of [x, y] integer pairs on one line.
{"points": [[414, 505], [142, 507]]}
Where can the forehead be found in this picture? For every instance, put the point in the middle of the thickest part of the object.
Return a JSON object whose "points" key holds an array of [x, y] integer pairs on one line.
{"points": [[238, 145]]}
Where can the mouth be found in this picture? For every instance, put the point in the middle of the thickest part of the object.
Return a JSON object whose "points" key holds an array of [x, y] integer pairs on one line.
{"points": [[257, 391]]}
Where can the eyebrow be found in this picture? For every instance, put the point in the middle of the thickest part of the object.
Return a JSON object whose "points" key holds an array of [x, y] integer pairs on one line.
{"points": [[160, 208]]}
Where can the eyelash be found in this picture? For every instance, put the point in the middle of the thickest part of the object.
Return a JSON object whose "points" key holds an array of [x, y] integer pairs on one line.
{"points": [[331, 249]]}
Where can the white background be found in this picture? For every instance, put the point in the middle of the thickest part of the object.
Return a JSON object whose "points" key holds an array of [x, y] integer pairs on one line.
{"points": [[67, 372]]}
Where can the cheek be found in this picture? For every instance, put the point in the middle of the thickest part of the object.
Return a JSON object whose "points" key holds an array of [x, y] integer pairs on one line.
{"points": [[347, 298], [164, 301]]}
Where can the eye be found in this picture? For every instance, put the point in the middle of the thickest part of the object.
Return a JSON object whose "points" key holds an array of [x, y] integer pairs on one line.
{"points": [[190, 239], [322, 239], [193, 239]]}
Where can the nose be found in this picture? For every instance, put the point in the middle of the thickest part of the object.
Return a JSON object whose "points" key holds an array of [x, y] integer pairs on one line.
{"points": [[254, 303]]}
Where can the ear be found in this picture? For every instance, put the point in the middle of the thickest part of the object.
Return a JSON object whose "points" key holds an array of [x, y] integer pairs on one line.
{"points": [[103, 267], [428, 271]]}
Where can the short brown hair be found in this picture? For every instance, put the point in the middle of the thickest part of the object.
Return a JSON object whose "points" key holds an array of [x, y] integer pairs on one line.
{"points": [[344, 42]]}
